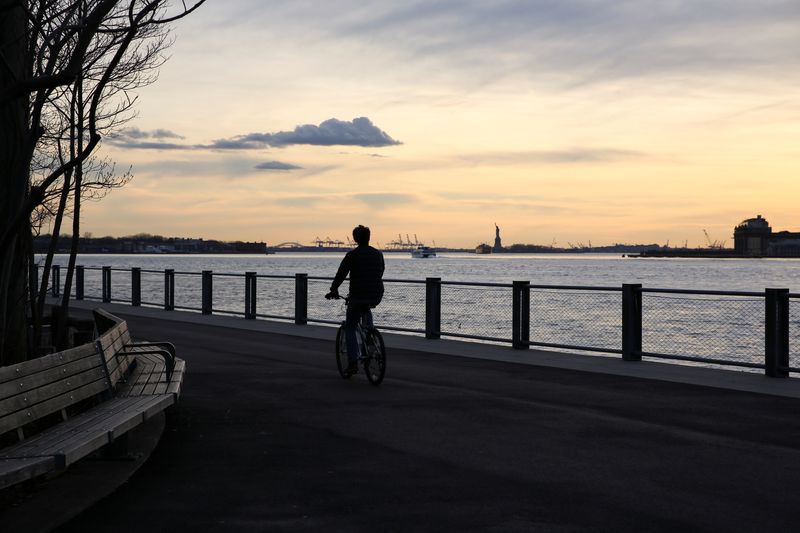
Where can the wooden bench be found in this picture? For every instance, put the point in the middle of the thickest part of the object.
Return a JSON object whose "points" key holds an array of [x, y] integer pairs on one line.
{"points": [[59, 408]]}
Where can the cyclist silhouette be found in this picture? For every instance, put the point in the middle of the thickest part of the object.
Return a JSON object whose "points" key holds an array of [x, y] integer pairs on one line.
{"points": [[365, 266]]}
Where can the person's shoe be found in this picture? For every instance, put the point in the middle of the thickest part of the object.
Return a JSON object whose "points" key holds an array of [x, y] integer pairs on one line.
{"points": [[351, 369]]}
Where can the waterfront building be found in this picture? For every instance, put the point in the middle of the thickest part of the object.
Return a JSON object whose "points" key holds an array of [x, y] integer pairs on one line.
{"points": [[754, 237]]}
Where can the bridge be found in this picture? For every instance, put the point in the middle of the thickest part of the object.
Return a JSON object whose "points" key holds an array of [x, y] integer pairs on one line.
{"points": [[290, 245]]}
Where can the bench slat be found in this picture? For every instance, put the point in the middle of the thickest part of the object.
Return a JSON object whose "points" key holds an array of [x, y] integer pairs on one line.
{"points": [[48, 375], [20, 418], [13, 471], [49, 441], [33, 397], [21, 370], [127, 414]]}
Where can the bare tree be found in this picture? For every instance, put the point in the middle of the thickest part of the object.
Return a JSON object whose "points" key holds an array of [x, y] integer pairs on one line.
{"points": [[46, 48]]}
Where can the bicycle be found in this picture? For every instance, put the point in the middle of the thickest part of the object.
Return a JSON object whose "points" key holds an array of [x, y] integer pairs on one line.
{"points": [[372, 351]]}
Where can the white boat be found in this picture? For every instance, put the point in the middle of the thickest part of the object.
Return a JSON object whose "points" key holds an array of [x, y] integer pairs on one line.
{"points": [[422, 251]]}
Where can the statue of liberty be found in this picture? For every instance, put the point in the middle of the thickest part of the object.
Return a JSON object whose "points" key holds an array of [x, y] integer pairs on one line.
{"points": [[497, 243]]}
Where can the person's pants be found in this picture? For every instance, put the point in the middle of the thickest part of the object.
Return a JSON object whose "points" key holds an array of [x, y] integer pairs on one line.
{"points": [[354, 314]]}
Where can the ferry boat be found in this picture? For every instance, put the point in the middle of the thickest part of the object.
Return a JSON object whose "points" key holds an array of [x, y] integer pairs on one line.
{"points": [[422, 251], [483, 249]]}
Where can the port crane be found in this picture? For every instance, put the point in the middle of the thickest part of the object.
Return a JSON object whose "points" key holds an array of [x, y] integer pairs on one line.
{"points": [[715, 245]]}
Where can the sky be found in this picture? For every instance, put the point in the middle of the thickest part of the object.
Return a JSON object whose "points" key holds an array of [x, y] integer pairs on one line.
{"points": [[562, 121]]}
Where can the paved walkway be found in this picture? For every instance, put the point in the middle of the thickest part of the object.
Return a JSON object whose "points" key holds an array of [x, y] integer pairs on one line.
{"points": [[267, 437]]}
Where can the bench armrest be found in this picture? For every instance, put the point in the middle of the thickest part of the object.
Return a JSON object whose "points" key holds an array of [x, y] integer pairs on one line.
{"points": [[164, 349]]}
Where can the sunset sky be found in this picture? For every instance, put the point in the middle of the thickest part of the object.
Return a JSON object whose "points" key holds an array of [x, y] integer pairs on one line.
{"points": [[596, 120]]}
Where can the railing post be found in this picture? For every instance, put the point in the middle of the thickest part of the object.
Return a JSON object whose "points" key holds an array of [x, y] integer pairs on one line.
{"points": [[106, 284], [632, 321], [79, 282], [521, 315], [301, 299], [776, 333], [136, 286], [250, 295], [56, 280], [433, 308], [169, 289], [208, 292]]}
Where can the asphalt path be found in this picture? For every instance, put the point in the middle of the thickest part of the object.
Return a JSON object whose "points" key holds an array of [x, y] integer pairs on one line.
{"points": [[268, 437]]}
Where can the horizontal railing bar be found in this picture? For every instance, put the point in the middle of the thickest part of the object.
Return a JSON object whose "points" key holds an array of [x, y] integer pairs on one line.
{"points": [[794, 295], [407, 330], [414, 281], [478, 337], [226, 275], [183, 273], [279, 317], [572, 347], [577, 288], [186, 308], [476, 284], [274, 276], [706, 292], [324, 321], [225, 312], [320, 278], [702, 360]]}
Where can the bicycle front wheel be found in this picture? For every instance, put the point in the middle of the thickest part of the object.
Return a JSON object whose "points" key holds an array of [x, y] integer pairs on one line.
{"points": [[341, 354], [375, 360]]}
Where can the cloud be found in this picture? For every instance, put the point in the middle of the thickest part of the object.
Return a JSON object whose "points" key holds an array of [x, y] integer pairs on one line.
{"points": [[307, 200], [384, 199], [333, 132], [276, 166], [552, 42], [134, 138], [577, 155], [380, 200], [136, 133]]}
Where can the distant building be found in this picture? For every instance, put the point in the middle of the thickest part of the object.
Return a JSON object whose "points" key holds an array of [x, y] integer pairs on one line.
{"points": [[753, 237]]}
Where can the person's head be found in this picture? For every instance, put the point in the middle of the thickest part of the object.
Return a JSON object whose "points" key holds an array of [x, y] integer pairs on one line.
{"points": [[361, 235]]}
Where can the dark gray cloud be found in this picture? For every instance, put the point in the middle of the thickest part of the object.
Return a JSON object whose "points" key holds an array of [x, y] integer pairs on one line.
{"points": [[134, 138], [333, 132], [147, 145], [136, 133], [276, 166]]}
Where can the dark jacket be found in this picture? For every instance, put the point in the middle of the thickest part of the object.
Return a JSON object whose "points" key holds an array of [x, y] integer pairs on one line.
{"points": [[365, 266]]}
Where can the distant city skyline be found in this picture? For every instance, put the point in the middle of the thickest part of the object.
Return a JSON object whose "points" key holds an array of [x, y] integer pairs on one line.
{"points": [[575, 121]]}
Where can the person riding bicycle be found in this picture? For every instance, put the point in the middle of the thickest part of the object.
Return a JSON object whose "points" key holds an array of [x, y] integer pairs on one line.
{"points": [[365, 266]]}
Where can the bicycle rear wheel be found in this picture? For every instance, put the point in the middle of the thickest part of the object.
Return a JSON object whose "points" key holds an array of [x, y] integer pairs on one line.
{"points": [[375, 360], [341, 354]]}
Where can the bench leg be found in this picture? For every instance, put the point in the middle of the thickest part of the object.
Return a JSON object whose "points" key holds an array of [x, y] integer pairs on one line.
{"points": [[116, 451]]}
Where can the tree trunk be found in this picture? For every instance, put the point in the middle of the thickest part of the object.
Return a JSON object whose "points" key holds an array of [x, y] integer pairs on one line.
{"points": [[14, 183]]}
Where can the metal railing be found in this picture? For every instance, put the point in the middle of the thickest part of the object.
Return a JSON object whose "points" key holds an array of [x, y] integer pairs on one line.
{"points": [[752, 330]]}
